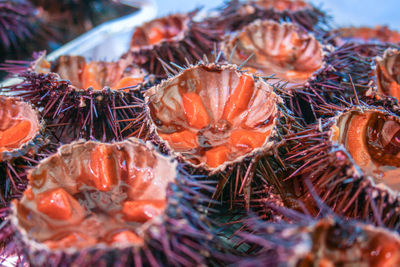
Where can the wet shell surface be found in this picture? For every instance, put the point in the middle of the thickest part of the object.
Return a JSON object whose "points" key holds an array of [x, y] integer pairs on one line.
{"points": [[273, 48], [372, 138], [388, 73], [213, 115], [92, 194], [19, 126]]}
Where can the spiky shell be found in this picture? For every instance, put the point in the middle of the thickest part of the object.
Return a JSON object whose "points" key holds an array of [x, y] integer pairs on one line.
{"points": [[189, 42], [239, 177], [347, 77], [22, 137], [282, 49], [327, 241], [72, 111], [366, 34], [387, 73], [236, 14], [338, 168], [180, 237], [210, 89], [19, 22]]}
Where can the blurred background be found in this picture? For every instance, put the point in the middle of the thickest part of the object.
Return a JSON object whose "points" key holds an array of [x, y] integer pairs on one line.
{"points": [[344, 12]]}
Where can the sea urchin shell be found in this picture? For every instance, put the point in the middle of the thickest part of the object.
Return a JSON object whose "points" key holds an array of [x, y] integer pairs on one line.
{"points": [[212, 115], [175, 38], [372, 138], [273, 48], [327, 241], [78, 98], [93, 195], [388, 73], [19, 126], [365, 34]]}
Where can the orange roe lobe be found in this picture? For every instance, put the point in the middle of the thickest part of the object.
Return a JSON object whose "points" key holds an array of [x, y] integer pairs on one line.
{"points": [[29, 193], [355, 143], [127, 82], [195, 111], [142, 210], [248, 139], [239, 99], [181, 140], [58, 204], [155, 35], [89, 76], [126, 237], [394, 89], [103, 169], [13, 135], [217, 156]]}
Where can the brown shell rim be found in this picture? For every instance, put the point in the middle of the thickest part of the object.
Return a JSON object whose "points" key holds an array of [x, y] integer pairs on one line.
{"points": [[143, 229], [260, 150]]}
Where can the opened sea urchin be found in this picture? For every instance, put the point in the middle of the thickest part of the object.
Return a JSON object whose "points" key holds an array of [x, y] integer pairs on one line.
{"points": [[176, 38], [114, 204], [211, 115], [269, 48], [78, 98], [20, 139]]}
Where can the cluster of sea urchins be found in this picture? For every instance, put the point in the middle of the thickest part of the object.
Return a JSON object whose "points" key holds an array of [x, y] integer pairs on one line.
{"points": [[264, 135]]}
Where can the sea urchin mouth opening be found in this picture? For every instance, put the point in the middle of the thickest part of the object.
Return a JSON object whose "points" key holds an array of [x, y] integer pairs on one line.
{"points": [[273, 48], [159, 30], [95, 74], [212, 115], [372, 138], [19, 124], [388, 73], [91, 193]]}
